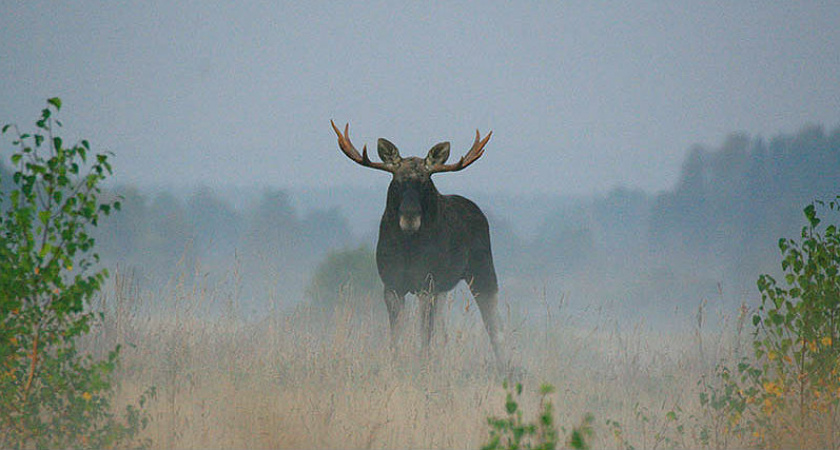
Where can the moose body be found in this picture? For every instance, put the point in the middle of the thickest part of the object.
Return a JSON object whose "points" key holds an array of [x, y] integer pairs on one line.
{"points": [[429, 242], [454, 246]]}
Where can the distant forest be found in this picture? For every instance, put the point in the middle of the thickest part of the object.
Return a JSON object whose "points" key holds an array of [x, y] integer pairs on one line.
{"points": [[709, 236], [734, 202]]}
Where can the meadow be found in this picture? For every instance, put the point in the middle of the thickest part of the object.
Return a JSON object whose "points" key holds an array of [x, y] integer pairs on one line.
{"points": [[309, 378]]}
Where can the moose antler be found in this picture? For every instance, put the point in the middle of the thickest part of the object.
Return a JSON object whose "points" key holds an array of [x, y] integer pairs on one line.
{"points": [[475, 152], [351, 152]]}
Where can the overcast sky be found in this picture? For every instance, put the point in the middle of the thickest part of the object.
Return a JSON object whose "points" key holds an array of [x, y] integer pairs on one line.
{"points": [[581, 96]]}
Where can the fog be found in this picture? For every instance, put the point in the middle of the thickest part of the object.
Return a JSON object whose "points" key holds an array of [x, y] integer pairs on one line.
{"points": [[704, 241], [645, 160], [642, 157]]}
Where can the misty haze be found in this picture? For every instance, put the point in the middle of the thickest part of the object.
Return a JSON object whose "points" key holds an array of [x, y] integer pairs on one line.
{"points": [[645, 162]]}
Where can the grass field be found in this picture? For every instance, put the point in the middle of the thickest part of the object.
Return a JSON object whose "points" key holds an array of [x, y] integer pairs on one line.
{"points": [[303, 378]]}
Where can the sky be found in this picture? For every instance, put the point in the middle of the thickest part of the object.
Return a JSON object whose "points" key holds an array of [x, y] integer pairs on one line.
{"points": [[582, 97]]}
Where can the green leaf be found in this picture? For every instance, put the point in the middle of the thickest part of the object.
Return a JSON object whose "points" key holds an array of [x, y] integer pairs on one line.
{"points": [[811, 215], [6, 128], [55, 101], [510, 406]]}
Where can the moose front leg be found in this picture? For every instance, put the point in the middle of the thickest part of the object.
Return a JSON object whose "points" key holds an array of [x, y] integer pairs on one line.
{"points": [[395, 303], [430, 305]]}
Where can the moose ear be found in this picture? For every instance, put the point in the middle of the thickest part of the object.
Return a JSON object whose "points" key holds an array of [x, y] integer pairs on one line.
{"points": [[388, 152], [438, 154]]}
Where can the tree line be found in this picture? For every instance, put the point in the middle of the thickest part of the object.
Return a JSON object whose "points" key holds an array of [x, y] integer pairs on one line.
{"points": [[719, 223], [267, 244]]}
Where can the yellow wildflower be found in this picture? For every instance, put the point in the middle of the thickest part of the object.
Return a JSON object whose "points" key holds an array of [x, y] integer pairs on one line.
{"points": [[826, 341], [87, 396], [772, 388]]}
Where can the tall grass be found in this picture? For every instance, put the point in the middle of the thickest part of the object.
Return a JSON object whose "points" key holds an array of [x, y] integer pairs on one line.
{"points": [[300, 378]]}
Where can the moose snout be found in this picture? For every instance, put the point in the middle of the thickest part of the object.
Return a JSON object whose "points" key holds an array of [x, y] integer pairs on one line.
{"points": [[410, 213], [409, 223]]}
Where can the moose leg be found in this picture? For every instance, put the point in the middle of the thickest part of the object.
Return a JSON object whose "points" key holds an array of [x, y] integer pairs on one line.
{"points": [[487, 304], [430, 305], [395, 303]]}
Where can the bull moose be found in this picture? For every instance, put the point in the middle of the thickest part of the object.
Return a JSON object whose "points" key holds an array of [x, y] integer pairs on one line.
{"points": [[428, 242]]}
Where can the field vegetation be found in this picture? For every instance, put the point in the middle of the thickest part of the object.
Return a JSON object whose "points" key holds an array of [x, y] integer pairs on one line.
{"points": [[303, 378]]}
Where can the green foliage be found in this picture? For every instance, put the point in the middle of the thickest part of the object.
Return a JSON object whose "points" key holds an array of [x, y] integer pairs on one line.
{"points": [[513, 432], [797, 366], [344, 275], [788, 393], [723, 404], [51, 394]]}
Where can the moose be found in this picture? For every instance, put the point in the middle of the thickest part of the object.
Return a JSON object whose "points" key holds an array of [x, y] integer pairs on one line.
{"points": [[429, 242]]}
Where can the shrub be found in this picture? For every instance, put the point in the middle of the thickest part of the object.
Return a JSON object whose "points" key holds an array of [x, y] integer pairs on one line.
{"points": [[796, 348], [51, 394], [788, 393], [513, 432], [344, 275]]}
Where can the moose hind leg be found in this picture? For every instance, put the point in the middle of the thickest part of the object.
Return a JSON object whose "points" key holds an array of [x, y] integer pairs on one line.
{"points": [[487, 304]]}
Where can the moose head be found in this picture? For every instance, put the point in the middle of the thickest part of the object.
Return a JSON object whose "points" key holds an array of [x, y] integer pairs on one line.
{"points": [[411, 193]]}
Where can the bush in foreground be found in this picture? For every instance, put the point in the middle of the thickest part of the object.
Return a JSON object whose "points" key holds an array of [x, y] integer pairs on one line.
{"points": [[788, 392], [513, 432], [51, 394]]}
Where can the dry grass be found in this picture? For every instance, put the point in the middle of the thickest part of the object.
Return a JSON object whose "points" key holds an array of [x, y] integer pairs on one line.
{"points": [[304, 379]]}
